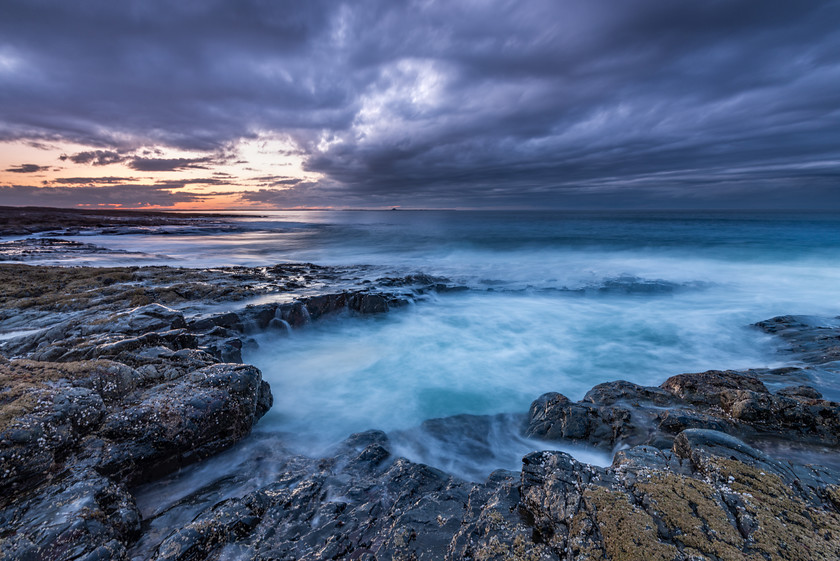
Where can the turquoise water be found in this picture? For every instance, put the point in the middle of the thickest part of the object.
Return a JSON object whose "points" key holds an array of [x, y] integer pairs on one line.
{"points": [[558, 302]]}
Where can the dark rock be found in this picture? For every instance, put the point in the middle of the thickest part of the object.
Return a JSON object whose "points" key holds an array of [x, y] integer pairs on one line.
{"points": [[727, 501], [226, 350], [815, 340], [175, 340], [325, 304], [797, 392], [227, 320], [363, 504], [732, 402], [80, 516], [368, 303], [33, 445], [178, 423], [632, 394], [707, 388], [152, 317]]}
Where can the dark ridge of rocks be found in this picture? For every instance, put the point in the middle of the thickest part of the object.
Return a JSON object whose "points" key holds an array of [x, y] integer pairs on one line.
{"points": [[20, 221], [363, 503], [736, 403], [815, 340], [43, 291], [21, 250], [298, 313]]}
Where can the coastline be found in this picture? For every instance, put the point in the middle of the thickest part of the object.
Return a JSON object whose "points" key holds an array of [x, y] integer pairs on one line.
{"points": [[129, 379]]}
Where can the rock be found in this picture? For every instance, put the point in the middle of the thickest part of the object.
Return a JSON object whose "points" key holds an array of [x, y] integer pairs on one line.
{"points": [[325, 304], [373, 303], [816, 340], [178, 423], [727, 504], [226, 350], [493, 528], [621, 413], [145, 319], [632, 394], [363, 504], [82, 515], [707, 388], [35, 442], [800, 392]]}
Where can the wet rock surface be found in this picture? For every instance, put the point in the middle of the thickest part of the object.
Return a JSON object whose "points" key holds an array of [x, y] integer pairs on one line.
{"points": [[123, 376], [815, 339], [737, 403], [711, 496]]}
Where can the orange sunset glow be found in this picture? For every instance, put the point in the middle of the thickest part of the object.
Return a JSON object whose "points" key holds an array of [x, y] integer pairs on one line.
{"points": [[206, 180]]}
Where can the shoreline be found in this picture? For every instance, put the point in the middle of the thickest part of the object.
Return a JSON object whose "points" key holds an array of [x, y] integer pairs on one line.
{"points": [[101, 398], [23, 221]]}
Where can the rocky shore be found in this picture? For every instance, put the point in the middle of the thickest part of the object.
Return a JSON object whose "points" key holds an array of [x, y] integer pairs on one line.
{"points": [[112, 378], [22, 221]]}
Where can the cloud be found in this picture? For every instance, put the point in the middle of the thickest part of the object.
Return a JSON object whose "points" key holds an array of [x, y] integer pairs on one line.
{"points": [[89, 180], [288, 197], [168, 164], [276, 180], [181, 183], [130, 196], [27, 168], [94, 157], [497, 103]]}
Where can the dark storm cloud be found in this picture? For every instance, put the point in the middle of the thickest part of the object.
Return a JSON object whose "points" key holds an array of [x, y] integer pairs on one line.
{"points": [[89, 180], [94, 157], [168, 164], [142, 162], [181, 183], [276, 180], [550, 102], [27, 168], [131, 196], [298, 195]]}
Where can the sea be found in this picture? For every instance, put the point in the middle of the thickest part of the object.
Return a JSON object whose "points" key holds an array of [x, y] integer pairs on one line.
{"points": [[557, 301]]}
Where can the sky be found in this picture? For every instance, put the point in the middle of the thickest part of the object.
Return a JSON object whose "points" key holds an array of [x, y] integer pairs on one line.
{"points": [[252, 104]]}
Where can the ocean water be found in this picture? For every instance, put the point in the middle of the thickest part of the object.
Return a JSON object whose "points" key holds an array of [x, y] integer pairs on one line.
{"points": [[558, 301]]}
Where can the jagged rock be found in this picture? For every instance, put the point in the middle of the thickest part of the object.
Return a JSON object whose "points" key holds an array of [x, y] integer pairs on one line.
{"points": [[493, 527], [177, 423], [363, 504], [226, 350], [145, 319], [64, 424], [709, 388], [729, 502], [49, 423], [816, 340], [82, 515], [732, 402]]}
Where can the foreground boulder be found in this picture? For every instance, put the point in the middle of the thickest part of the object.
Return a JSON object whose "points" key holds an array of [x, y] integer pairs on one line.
{"points": [[75, 435]]}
